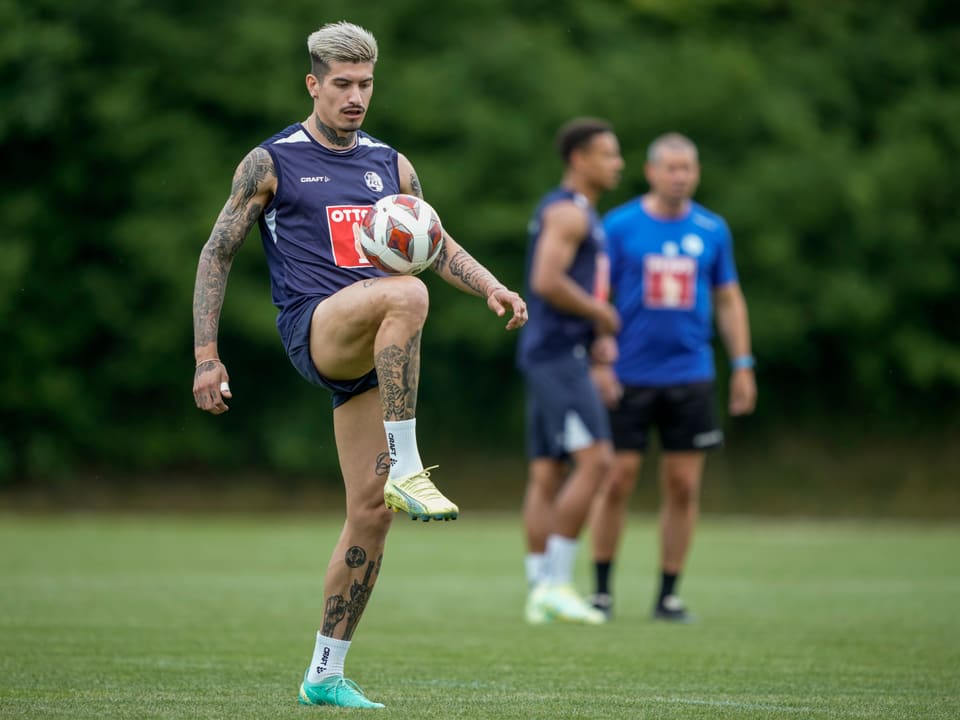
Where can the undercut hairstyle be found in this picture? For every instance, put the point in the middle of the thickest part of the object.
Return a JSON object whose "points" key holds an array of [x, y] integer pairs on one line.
{"points": [[577, 134], [340, 42], [671, 141]]}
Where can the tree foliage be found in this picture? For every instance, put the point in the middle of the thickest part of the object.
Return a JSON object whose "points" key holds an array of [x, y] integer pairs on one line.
{"points": [[828, 135]]}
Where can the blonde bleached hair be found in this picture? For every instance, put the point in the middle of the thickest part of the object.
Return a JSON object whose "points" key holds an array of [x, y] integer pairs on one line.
{"points": [[671, 141], [340, 42]]}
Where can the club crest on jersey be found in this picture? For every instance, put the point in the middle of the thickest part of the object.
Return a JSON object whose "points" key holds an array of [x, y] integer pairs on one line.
{"points": [[373, 181], [692, 244]]}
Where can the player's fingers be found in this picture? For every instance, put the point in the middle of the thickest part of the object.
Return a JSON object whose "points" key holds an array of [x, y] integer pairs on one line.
{"points": [[217, 405], [740, 405], [494, 304], [225, 389]]}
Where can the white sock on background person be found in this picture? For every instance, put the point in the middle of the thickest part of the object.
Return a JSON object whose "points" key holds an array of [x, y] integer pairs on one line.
{"points": [[328, 656], [536, 565], [402, 447], [561, 555]]}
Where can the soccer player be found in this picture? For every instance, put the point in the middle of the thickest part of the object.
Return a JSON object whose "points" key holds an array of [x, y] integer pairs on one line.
{"points": [[672, 270], [568, 433], [345, 325]]}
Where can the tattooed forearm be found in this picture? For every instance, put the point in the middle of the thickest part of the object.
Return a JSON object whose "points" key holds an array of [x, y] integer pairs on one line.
{"points": [[471, 273], [238, 215], [441, 262], [398, 370], [337, 607], [332, 136]]}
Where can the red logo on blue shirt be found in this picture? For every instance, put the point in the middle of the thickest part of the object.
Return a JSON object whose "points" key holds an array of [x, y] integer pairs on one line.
{"points": [[669, 283]]}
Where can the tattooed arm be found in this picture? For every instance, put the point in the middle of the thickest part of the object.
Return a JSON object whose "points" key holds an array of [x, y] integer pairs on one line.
{"points": [[460, 269], [254, 183]]}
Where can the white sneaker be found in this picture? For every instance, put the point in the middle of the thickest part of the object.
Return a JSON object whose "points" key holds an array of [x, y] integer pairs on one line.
{"points": [[535, 612], [562, 603]]}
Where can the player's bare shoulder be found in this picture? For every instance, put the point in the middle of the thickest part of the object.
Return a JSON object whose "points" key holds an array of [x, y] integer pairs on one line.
{"points": [[566, 218]]}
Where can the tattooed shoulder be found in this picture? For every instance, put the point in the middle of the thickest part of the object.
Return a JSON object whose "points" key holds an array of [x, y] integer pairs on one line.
{"points": [[254, 169]]}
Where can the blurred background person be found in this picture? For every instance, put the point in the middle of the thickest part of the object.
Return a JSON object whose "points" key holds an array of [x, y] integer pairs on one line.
{"points": [[672, 272], [568, 434]]}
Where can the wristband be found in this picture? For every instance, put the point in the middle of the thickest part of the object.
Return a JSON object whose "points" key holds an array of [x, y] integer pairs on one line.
{"points": [[742, 362], [216, 360]]}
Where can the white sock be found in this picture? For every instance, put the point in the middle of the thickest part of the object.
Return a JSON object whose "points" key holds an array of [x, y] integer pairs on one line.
{"points": [[561, 555], [536, 564], [328, 657], [402, 446]]}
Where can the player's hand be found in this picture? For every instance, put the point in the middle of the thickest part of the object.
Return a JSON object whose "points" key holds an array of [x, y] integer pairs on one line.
{"points": [[743, 392], [608, 384], [211, 386], [608, 319], [500, 299], [604, 350]]}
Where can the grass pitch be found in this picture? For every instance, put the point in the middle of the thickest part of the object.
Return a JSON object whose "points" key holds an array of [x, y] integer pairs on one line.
{"points": [[199, 617]]}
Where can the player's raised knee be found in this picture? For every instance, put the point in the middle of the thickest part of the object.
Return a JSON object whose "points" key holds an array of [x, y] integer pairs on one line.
{"points": [[408, 294]]}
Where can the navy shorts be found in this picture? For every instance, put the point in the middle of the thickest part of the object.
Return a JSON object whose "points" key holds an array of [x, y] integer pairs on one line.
{"points": [[564, 409], [298, 350], [684, 415]]}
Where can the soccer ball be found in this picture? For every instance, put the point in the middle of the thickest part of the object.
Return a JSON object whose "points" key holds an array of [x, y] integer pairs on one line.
{"points": [[401, 234]]}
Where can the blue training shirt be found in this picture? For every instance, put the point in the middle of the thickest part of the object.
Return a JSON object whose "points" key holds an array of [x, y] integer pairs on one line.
{"points": [[550, 333], [307, 228], [663, 273]]}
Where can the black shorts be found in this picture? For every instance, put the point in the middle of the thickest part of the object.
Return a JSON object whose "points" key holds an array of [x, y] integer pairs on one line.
{"points": [[564, 409], [298, 351], [684, 415]]}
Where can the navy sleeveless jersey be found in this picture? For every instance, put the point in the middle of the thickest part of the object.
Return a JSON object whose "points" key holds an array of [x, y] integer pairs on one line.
{"points": [[307, 228], [551, 333]]}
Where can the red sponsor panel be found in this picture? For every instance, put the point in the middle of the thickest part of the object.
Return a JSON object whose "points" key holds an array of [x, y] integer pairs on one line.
{"points": [[340, 222], [669, 282], [601, 280]]}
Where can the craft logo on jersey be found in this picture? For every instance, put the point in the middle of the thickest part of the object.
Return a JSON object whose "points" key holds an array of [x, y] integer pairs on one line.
{"points": [[340, 222], [669, 282]]}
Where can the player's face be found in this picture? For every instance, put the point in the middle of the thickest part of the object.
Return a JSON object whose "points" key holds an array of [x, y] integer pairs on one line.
{"points": [[342, 96], [603, 163], [675, 174]]}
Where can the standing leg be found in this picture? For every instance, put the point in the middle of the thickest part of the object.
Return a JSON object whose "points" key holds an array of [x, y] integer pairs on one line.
{"points": [[680, 477], [543, 484], [556, 598], [607, 520], [355, 562]]}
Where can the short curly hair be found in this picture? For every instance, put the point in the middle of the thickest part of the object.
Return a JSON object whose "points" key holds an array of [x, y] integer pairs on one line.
{"points": [[578, 133]]}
